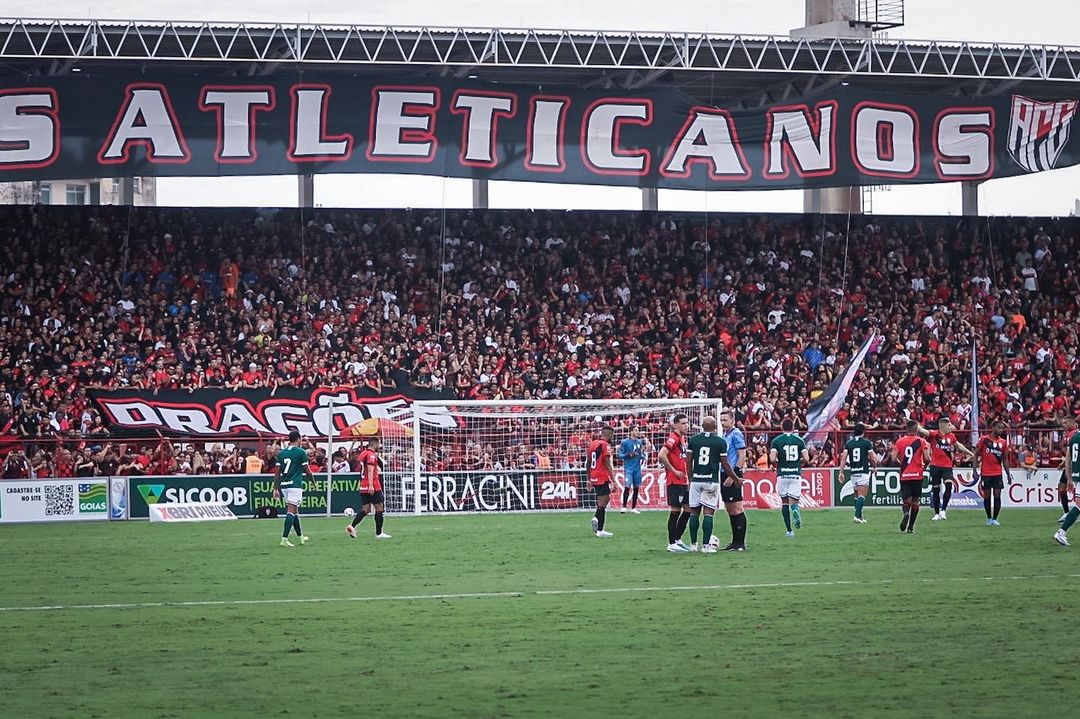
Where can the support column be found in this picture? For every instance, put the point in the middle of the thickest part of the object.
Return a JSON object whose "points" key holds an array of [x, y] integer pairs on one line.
{"points": [[305, 185], [969, 198], [833, 200], [127, 191], [480, 193], [650, 199], [828, 19]]}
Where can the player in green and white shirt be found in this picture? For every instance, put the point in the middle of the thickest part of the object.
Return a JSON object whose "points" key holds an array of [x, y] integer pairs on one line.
{"points": [[290, 471], [788, 453], [858, 457], [1072, 475], [708, 453]]}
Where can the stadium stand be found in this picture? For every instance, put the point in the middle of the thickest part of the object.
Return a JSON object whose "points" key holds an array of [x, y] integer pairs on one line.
{"points": [[757, 310]]}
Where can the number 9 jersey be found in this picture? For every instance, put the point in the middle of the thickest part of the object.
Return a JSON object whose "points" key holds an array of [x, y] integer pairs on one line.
{"points": [[910, 451]]}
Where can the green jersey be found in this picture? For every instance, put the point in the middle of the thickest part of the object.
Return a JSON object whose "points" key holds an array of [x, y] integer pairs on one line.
{"points": [[706, 450], [293, 462], [858, 455], [1074, 456], [789, 449]]}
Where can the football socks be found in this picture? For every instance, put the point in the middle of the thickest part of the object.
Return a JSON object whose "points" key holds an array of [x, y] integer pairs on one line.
{"points": [[1070, 519]]}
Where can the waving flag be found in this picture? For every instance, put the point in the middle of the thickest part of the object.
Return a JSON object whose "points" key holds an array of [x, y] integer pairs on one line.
{"points": [[823, 410]]}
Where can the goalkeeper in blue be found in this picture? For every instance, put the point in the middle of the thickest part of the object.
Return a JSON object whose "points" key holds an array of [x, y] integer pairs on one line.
{"points": [[632, 452]]}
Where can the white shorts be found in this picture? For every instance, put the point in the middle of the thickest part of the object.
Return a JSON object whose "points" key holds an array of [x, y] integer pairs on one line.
{"points": [[705, 494], [293, 496], [860, 480], [789, 485]]}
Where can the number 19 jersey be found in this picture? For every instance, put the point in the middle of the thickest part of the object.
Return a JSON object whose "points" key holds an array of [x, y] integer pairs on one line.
{"points": [[789, 449]]}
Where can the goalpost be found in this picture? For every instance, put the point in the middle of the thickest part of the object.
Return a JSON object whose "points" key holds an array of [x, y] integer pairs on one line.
{"points": [[511, 455]]}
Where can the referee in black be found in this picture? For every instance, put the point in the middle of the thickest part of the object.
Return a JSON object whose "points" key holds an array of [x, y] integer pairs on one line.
{"points": [[731, 487]]}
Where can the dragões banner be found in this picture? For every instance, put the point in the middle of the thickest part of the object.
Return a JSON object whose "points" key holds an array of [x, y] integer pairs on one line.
{"points": [[220, 412], [94, 125]]}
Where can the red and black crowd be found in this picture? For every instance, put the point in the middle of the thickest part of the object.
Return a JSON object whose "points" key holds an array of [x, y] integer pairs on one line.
{"points": [[759, 311]]}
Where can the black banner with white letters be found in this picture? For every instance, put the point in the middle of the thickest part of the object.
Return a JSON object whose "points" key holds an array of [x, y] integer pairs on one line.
{"points": [[496, 490], [220, 412], [109, 126]]}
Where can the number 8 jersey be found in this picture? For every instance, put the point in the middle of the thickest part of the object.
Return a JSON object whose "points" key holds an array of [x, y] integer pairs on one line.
{"points": [[706, 449], [599, 452]]}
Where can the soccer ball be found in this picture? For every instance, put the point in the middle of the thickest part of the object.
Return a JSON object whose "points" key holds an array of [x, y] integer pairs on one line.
{"points": [[349, 511], [714, 541]]}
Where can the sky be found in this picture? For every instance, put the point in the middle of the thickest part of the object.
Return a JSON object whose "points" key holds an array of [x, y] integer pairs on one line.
{"points": [[1051, 22]]}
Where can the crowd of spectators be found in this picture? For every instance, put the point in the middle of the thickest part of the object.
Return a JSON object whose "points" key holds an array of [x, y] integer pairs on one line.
{"points": [[759, 311]]}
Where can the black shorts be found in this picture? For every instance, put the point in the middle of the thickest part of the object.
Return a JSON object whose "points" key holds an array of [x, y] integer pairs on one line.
{"points": [[911, 488], [371, 498], [732, 493], [678, 495], [940, 474], [602, 490], [993, 482]]}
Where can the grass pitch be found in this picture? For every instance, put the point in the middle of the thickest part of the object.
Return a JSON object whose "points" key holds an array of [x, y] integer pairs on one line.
{"points": [[530, 615]]}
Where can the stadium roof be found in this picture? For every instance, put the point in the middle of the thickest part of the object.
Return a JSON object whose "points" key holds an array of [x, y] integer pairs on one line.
{"points": [[747, 70]]}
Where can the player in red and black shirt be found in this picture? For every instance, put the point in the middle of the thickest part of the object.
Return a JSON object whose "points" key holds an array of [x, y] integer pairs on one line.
{"points": [[942, 445], [992, 451], [673, 458], [601, 472], [369, 466], [912, 452]]}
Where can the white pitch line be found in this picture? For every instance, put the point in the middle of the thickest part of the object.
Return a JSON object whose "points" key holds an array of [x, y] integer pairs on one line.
{"points": [[535, 593]]}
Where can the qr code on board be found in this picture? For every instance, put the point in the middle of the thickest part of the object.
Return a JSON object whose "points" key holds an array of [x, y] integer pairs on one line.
{"points": [[59, 499]]}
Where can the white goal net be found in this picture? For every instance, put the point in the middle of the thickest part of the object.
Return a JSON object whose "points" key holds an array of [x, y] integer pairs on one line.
{"points": [[477, 456]]}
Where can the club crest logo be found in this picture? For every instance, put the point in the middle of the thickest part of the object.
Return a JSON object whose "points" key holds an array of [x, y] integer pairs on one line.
{"points": [[1038, 132]]}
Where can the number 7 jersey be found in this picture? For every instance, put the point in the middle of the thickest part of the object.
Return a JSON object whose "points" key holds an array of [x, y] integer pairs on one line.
{"points": [[292, 461]]}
